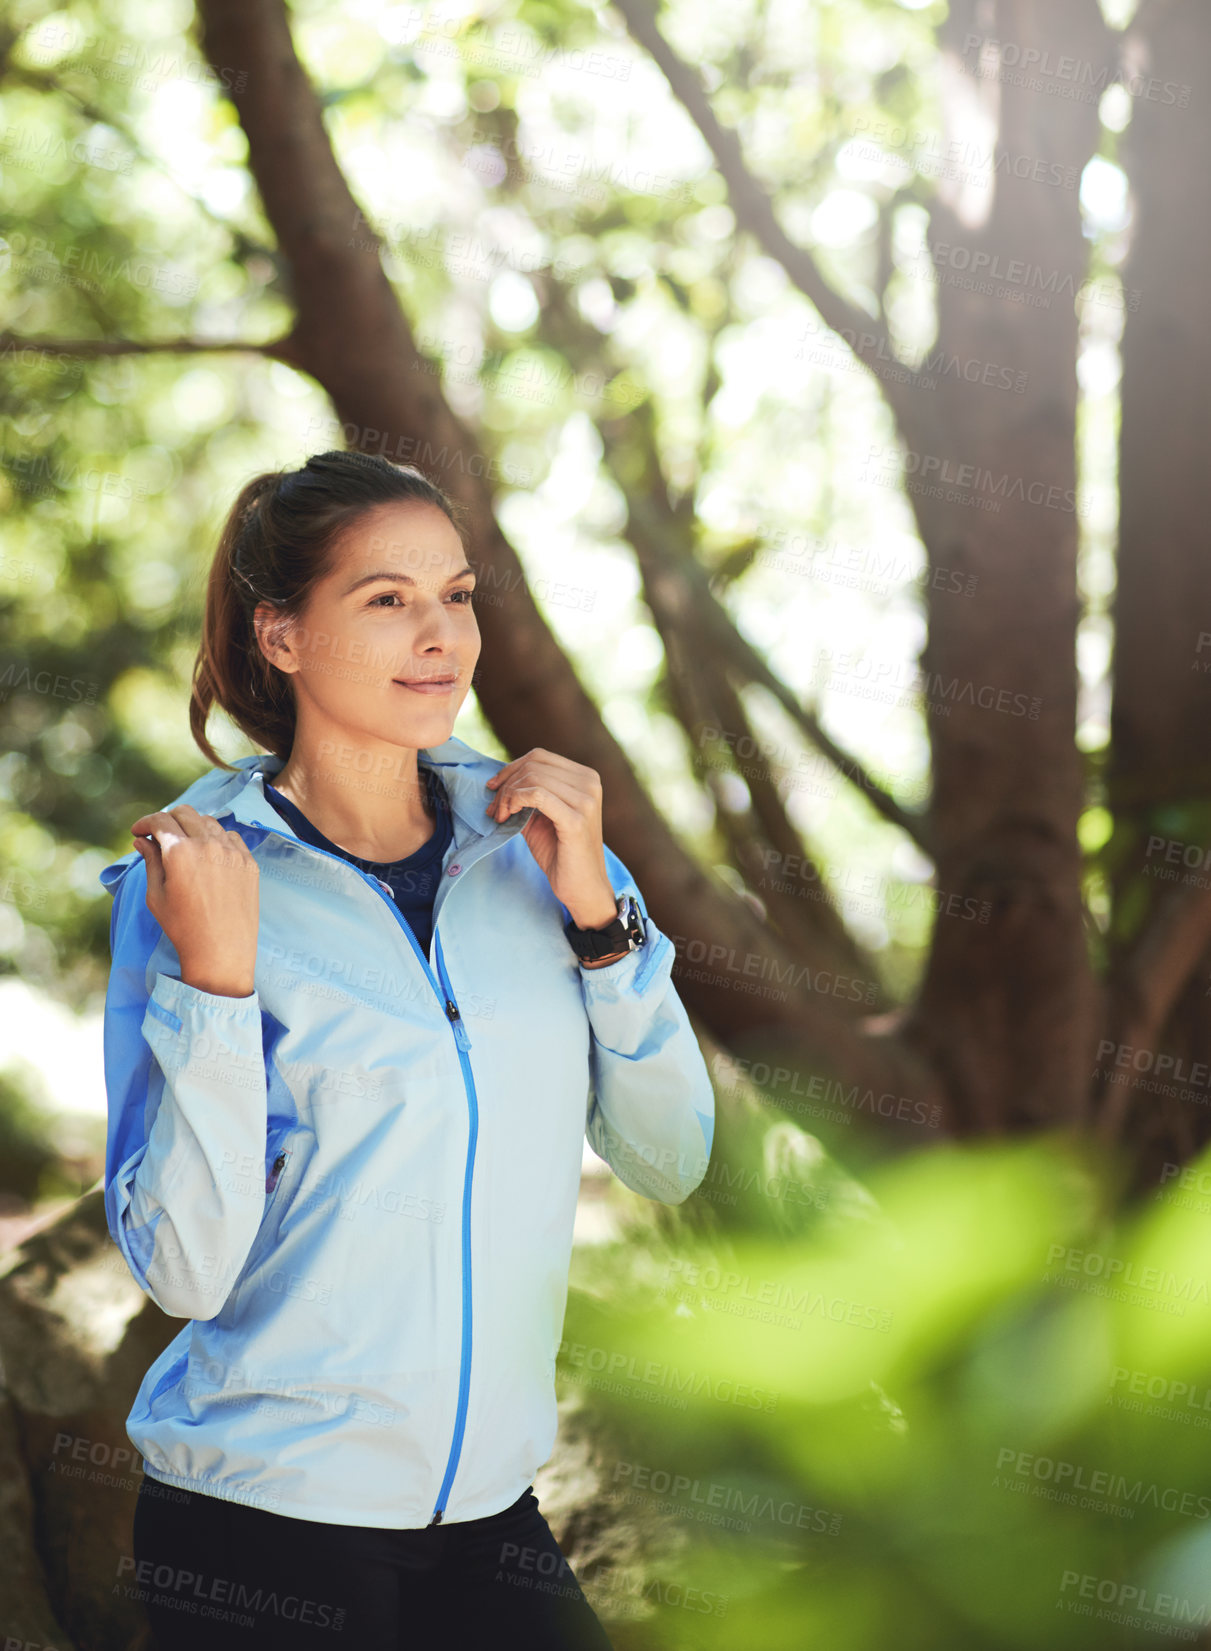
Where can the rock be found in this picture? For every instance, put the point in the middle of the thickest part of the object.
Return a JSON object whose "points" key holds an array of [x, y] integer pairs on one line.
{"points": [[76, 1335]]}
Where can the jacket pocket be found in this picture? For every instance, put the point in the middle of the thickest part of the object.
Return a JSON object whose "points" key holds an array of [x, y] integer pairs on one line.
{"points": [[278, 1153]]}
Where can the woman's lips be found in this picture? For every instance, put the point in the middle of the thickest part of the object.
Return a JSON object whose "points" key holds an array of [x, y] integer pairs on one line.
{"points": [[428, 686]]}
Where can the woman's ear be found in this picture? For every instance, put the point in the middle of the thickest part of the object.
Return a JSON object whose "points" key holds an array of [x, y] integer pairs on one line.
{"points": [[273, 636]]}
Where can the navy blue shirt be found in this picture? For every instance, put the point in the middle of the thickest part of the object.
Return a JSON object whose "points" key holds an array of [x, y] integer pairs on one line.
{"points": [[414, 879]]}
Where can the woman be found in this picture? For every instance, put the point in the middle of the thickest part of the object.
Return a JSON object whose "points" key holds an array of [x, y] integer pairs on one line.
{"points": [[369, 993]]}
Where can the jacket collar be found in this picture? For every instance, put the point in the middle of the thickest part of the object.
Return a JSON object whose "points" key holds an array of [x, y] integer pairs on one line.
{"points": [[241, 796]]}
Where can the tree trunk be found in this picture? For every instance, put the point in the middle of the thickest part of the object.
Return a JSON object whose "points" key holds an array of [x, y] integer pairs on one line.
{"points": [[1159, 777], [1008, 1005]]}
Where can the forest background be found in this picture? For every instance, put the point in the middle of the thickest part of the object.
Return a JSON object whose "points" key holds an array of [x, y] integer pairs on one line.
{"points": [[827, 387]]}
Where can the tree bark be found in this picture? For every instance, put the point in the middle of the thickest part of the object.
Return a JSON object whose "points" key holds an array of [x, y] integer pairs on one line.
{"points": [[1008, 1007], [1159, 773]]}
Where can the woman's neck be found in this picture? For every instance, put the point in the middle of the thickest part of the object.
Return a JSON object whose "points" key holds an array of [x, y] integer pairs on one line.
{"points": [[377, 817]]}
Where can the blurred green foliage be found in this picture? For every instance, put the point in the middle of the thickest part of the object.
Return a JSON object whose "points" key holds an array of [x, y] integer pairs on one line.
{"points": [[972, 1410]]}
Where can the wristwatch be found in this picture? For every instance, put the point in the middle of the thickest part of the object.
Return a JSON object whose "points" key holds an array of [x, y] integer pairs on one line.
{"points": [[625, 934]]}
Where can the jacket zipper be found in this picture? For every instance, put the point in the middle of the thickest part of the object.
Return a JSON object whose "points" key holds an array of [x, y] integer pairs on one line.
{"points": [[464, 1375], [445, 997]]}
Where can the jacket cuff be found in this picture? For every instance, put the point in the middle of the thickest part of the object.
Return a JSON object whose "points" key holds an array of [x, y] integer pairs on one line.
{"points": [[184, 1025], [622, 996]]}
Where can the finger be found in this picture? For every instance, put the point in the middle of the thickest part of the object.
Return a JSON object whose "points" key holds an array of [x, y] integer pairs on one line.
{"points": [[511, 767], [496, 807], [195, 824], [508, 776], [547, 763], [142, 826], [161, 828], [574, 800], [182, 821], [564, 816], [149, 853], [563, 784]]}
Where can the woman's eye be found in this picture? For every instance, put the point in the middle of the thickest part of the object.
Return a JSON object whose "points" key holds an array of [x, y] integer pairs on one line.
{"points": [[461, 597]]}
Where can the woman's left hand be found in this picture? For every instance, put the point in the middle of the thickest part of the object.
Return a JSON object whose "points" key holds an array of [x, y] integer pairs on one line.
{"points": [[564, 832]]}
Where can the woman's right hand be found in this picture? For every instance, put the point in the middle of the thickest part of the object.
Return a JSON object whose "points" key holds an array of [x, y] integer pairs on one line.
{"points": [[203, 889]]}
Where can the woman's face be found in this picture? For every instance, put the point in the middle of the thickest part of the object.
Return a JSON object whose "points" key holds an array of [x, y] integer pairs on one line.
{"points": [[387, 643]]}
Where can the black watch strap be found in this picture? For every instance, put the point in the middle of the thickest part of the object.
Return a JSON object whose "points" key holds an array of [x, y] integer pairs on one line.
{"points": [[624, 934]]}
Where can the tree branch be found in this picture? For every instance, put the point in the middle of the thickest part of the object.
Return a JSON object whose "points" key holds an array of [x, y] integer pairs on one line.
{"points": [[662, 537], [702, 695], [754, 209], [648, 517], [720, 625], [1159, 967], [280, 349]]}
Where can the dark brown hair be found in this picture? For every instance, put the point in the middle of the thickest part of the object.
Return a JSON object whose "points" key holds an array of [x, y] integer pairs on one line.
{"points": [[276, 544]]}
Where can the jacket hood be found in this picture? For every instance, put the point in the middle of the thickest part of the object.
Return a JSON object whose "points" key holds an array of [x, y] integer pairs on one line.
{"points": [[241, 795]]}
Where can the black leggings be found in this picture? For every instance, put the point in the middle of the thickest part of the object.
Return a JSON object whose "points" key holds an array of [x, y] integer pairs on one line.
{"points": [[215, 1574]]}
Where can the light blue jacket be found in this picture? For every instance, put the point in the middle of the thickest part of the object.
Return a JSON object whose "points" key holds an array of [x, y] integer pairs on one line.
{"points": [[359, 1183]]}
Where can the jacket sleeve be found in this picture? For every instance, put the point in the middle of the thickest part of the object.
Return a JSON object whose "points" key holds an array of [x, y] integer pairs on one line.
{"points": [[187, 1098], [652, 1111]]}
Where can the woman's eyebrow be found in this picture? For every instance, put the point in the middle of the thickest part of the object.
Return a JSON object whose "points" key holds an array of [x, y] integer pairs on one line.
{"points": [[400, 579]]}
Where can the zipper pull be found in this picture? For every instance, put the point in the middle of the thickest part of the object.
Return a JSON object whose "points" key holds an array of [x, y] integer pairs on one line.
{"points": [[437, 1518], [456, 1020], [279, 1163]]}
